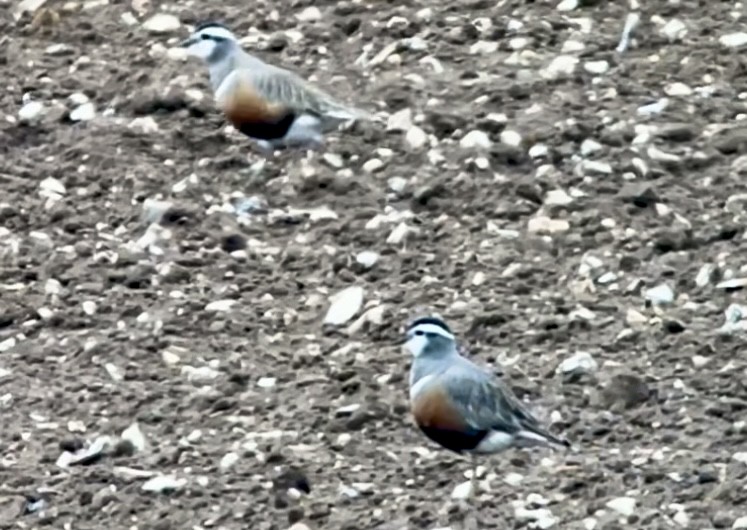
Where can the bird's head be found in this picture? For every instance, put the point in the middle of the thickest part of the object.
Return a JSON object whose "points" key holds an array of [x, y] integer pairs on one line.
{"points": [[210, 41], [430, 337]]}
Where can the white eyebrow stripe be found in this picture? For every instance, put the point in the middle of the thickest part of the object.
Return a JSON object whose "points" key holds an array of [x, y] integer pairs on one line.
{"points": [[221, 33], [434, 329]]}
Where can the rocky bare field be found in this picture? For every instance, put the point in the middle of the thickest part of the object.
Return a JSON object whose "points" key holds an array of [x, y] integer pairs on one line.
{"points": [[567, 193]]}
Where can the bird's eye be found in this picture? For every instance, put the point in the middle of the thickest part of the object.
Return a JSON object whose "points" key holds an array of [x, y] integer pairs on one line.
{"points": [[205, 37], [420, 333]]}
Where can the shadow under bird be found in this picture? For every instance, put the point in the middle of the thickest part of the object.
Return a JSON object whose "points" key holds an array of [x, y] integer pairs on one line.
{"points": [[273, 106], [461, 406]]}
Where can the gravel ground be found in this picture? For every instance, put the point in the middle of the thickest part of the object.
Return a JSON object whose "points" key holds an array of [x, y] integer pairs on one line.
{"points": [[576, 213]]}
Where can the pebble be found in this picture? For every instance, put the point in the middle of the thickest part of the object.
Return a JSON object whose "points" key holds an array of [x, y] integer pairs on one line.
{"points": [[400, 121], [144, 124], [545, 225], [462, 491], [597, 67], [511, 138], [567, 5], [7, 344], [593, 167], [733, 40], [578, 364], [557, 198], [660, 295], [164, 484], [367, 258], [266, 382], [162, 23], [416, 137], [135, 436], [89, 307], [309, 14], [705, 273], [400, 233], [733, 283], [344, 305], [560, 66], [228, 461], [678, 89], [475, 140], [589, 147], [483, 47], [674, 30], [84, 112], [622, 505], [740, 523], [220, 305], [374, 165], [31, 110], [299, 526]]}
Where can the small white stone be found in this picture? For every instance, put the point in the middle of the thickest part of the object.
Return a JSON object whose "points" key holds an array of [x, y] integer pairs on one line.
{"points": [[660, 295], [400, 120], [622, 505], [78, 98], [733, 40], [543, 224], [163, 483], [7, 344], [372, 166], [560, 66], [674, 30], [52, 185], [228, 461], [578, 364], [595, 167], [309, 14], [589, 146], [135, 436], [538, 151], [220, 305], [558, 198], [333, 160], [399, 234], [597, 67], [89, 307], [678, 89], [567, 5], [367, 258], [162, 23], [397, 184], [145, 124], [416, 137], [31, 110], [170, 358], [511, 138], [462, 491], [475, 140], [740, 523], [85, 112], [266, 382], [483, 47], [344, 305]]}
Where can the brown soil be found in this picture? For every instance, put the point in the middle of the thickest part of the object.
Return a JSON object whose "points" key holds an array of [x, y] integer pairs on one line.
{"points": [[671, 445]]}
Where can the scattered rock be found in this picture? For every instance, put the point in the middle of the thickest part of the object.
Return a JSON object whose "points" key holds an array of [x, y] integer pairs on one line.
{"points": [[344, 306], [623, 505], [659, 295], [164, 484], [162, 23]]}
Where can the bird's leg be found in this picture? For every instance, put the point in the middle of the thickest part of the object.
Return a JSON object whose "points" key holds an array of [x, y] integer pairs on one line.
{"points": [[473, 479]]}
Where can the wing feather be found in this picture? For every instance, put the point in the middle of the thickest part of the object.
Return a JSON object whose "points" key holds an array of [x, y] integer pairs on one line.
{"points": [[485, 402]]}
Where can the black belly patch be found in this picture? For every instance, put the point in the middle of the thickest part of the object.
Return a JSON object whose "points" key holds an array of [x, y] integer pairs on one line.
{"points": [[457, 441], [269, 130]]}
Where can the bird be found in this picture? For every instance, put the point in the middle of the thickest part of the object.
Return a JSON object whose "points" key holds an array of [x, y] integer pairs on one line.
{"points": [[461, 406], [271, 105]]}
